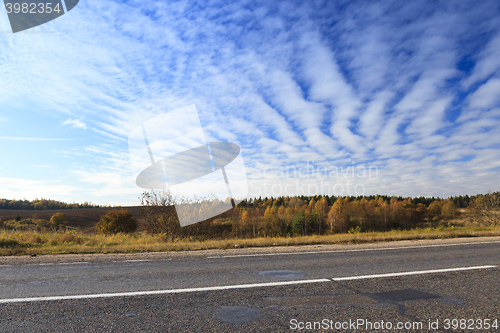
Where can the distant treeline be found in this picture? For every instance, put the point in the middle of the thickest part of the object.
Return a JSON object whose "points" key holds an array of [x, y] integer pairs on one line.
{"points": [[459, 201], [42, 204]]}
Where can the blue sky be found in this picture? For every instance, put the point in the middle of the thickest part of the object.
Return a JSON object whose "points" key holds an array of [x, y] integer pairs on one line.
{"points": [[409, 90]]}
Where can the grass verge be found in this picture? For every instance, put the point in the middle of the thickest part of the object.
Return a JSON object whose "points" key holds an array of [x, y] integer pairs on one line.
{"points": [[70, 241]]}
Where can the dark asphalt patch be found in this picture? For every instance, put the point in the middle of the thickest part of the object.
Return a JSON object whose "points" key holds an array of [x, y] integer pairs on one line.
{"points": [[237, 314], [283, 274], [405, 295]]}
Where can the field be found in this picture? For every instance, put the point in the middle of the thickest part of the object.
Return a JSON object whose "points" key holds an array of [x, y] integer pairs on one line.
{"points": [[83, 219], [79, 235], [86, 240]]}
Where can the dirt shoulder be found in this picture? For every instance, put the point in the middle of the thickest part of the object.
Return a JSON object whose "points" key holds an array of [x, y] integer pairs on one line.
{"points": [[100, 257]]}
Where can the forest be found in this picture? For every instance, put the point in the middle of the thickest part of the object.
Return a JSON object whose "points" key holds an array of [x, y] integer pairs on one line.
{"points": [[42, 204], [320, 215], [301, 215]]}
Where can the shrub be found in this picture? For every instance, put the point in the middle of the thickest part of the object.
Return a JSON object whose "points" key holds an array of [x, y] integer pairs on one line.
{"points": [[43, 224], [449, 210], [18, 218], [116, 221], [169, 225], [71, 238], [485, 209], [434, 209], [57, 220], [357, 230]]}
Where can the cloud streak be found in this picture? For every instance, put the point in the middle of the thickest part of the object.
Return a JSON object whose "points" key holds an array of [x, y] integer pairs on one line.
{"points": [[75, 123], [19, 138]]}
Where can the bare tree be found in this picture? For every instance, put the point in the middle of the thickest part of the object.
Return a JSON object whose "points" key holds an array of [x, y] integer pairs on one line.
{"points": [[158, 211]]}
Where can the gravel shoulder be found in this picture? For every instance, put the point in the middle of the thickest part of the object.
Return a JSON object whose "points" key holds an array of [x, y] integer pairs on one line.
{"points": [[19, 260]]}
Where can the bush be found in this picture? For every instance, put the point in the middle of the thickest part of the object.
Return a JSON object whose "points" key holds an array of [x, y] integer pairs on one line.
{"points": [[116, 221], [485, 209], [18, 218], [57, 220], [449, 210], [42, 224]]}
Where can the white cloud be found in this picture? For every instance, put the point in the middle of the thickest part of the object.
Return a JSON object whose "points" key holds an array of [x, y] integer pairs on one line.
{"points": [[431, 118], [372, 119], [31, 189], [328, 85], [486, 96], [74, 123], [488, 63]]}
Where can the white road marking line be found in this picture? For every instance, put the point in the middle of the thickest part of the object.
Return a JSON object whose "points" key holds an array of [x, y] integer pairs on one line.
{"points": [[349, 278], [346, 251], [5, 265], [241, 286], [132, 260], [74, 263], [46, 264], [160, 292]]}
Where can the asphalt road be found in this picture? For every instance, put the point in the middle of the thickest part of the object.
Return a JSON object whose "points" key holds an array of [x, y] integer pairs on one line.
{"points": [[355, 288]]}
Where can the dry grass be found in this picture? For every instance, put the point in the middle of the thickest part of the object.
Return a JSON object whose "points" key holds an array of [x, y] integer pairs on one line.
{"points": [[32, 242]]}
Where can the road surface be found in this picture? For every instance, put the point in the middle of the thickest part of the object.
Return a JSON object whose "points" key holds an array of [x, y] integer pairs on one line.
{"points": [[422, 285]]}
